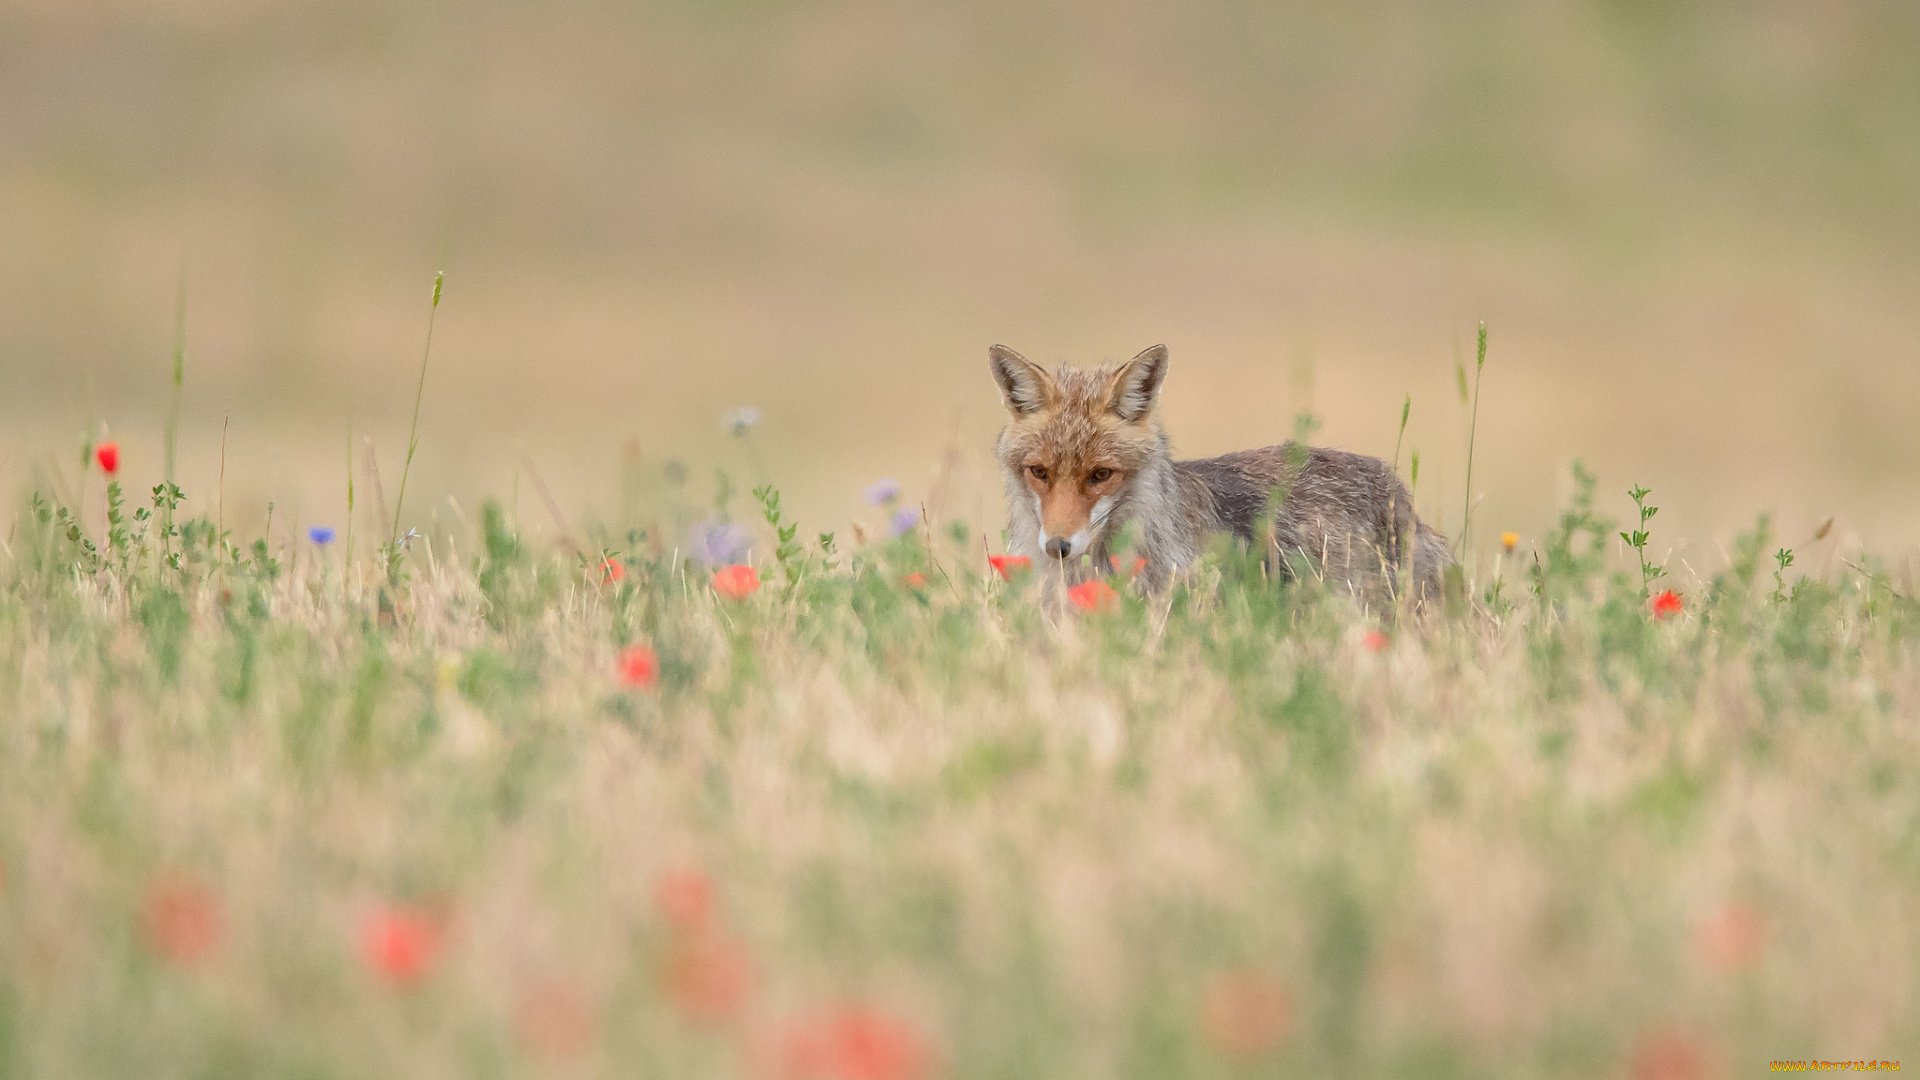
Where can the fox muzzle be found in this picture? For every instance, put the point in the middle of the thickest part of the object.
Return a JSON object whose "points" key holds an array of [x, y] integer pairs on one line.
{"points": [[1059, 547]]}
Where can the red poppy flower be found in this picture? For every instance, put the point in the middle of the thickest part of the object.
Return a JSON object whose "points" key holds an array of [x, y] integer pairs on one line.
{"points": [[1246, 1014], [850, 1044], [685, 897], [182, 919], [1374, 640], [1667, 1054], [915, 580], [611, 571], [1009, 565], [108, 455], [736, 582], [553, 1017], [639, 666], [1139, 564], [400, 943], [1731, 937], [1093, 596], [1666, 604], [708, 977]]}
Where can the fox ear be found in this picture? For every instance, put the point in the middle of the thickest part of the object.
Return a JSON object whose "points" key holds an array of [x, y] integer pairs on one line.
{"points": [[1136, 386], [1025, 385]]}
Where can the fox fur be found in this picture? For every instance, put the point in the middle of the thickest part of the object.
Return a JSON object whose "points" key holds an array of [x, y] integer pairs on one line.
{"points": [[1085, 456]]}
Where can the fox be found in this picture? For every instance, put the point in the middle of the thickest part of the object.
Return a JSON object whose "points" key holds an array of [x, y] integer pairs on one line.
{"points": [[1085, 457]]}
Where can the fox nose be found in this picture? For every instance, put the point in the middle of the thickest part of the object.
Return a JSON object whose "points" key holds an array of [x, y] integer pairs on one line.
{"points": [[1059, 546]]}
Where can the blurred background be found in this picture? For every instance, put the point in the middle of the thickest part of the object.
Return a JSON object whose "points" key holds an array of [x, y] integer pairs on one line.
{"points": [[1693, 229]]}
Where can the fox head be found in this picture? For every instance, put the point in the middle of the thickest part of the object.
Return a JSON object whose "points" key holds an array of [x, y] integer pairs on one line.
{"points": [[1076, 440]]}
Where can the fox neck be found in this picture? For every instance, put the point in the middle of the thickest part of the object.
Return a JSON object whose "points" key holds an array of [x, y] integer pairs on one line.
{"points": [[1165, 514]]}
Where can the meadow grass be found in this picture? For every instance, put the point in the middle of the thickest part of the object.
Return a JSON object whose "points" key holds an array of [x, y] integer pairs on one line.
{"points": [[514, 811]]}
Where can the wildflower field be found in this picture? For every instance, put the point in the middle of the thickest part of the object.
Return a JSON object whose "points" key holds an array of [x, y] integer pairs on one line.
{"points": [[817, 808], [608, 741]]}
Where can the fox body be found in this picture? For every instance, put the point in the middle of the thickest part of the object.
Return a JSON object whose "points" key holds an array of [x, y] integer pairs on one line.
{"points": [[1085, 456]]}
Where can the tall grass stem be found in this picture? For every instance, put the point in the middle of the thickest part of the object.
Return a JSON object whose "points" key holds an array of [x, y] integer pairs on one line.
{"points": [[1473, 429], [179, 371], [349, 547], [413, 431]]}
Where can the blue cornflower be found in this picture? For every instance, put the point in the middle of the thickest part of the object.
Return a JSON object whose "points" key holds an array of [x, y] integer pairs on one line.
{"points": [[904, 520], [321, 534], [737, 422], [882, 492]]}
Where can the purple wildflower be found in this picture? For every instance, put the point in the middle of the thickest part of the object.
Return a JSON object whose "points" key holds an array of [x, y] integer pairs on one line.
{"points": [[904, 521], [882, 492], [321, 534], [718, 543]]}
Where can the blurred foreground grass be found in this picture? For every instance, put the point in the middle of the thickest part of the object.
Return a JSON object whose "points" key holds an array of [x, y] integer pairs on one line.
{"points": [[266, 813]]}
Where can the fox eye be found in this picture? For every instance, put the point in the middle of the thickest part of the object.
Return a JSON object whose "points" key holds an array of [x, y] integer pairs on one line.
{"points": [[1039, 472], [1100, 475]]}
